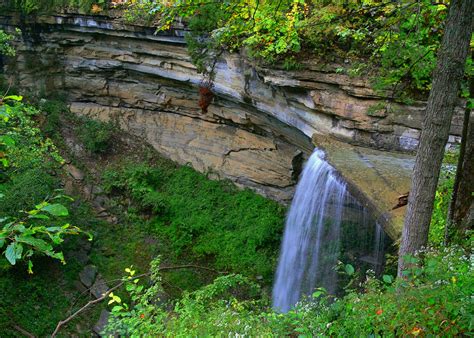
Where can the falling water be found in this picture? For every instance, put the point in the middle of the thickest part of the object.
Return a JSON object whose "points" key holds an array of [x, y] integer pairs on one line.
{"points": [[312, 240], [378, 248], [310, 246]]}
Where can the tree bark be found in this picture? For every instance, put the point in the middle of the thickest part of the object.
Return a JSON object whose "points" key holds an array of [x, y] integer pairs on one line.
{"points": [[465, 198], [435, 129], [461, 206]]}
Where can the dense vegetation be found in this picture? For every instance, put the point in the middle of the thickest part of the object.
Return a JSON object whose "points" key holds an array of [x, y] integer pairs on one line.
{"points": [[239, 229], [433, 300], [182, 216]]}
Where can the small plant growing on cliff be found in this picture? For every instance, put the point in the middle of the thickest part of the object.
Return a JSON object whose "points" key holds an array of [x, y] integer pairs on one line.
{"points": [[5, 43], [96, 136]]}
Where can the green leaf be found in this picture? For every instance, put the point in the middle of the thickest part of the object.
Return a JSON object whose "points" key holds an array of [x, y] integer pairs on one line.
{"points": [[13, 97], [7, 226], [10, 253], [349, 269], [39, 216], [18, 250], [39, 244], [57, 255], [7, 140], [2, 242], [319, 292], [19, 227], [117, 308], [56, 238], [54, 229], [387, 279], [56, 209], [13, 252]]}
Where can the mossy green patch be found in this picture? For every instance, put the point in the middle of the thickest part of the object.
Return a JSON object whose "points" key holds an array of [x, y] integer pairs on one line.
{"points": [[238, 229]]}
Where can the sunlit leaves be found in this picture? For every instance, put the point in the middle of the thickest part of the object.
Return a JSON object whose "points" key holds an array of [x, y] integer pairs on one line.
{"points": [[28, 236], [35, 232]]}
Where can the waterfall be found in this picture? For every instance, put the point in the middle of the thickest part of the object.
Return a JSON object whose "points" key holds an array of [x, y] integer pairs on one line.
{"points": [[312, 242], [378, 251], [310, 246]]}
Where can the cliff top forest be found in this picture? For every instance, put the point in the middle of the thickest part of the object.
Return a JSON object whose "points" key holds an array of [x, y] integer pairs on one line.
{"points": [[116, 220]]}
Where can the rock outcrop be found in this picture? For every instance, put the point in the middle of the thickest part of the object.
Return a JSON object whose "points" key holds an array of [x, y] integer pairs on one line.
{"points": [[256, 131]]}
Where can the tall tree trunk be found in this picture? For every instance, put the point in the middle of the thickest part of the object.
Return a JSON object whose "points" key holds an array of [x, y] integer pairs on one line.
{"points": [[435, 129], [464, 203], [462, 198]]}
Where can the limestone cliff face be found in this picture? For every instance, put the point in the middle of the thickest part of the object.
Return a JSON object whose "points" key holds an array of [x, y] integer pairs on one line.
{"points": [[258, 127]]}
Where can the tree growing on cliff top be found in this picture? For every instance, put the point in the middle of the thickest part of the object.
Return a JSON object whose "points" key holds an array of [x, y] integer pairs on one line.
{"points": [[435, 129], [5, 44]]}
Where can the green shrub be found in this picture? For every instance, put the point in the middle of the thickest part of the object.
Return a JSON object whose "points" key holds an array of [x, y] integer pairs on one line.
{"points": [[5, 44], [155, 202], [53, 111], [135, 180], [434, 300], [25, 189], [28, 159], [49, 6], [96, 136], [238, 228]]}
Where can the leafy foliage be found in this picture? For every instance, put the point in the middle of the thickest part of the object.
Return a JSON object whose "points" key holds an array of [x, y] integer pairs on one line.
{"points": [[95, 135], [146, 318], [240, 229], [23, 156], [48, 6], [35, 226], [433, 300], [5, 44], [401, 38], [29, 235]]}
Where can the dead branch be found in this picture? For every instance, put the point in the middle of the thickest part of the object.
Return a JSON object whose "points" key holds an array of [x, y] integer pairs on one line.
{"points": [[122, 281], [23, 331]]}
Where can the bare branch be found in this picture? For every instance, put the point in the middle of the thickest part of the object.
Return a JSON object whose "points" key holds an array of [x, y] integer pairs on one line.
{"points": [[122, 281], [23, 331]]}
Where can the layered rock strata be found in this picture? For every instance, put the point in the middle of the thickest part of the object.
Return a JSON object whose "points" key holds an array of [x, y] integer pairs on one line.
{"points": [[256, 131]]}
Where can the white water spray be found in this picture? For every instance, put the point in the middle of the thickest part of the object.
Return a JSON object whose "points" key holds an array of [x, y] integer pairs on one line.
{"points": [[310, 246], [312, 242]]}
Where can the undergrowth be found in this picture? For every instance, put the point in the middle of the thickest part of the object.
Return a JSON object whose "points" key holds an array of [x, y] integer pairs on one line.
{"points": [[29, 172], [434, 299], [237, 229]]}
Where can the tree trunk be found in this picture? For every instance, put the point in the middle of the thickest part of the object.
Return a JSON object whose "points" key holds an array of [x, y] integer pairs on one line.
{"points": [[435, 129], [465, 198], [462, 198]]}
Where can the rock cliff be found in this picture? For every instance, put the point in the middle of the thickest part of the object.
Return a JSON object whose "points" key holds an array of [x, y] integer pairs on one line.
{"points": [[257, 129]]}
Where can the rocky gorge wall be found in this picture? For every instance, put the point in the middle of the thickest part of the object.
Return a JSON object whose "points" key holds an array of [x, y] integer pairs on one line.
{"points": [[257, 130]]}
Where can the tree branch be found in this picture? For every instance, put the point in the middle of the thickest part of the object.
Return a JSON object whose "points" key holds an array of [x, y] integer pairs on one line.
{"points": [[122, 281], [23, 331]]}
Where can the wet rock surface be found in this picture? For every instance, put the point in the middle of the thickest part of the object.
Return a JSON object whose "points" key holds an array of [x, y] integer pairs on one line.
{"points": [[87, 275], [102, 322], [376, 177]]}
